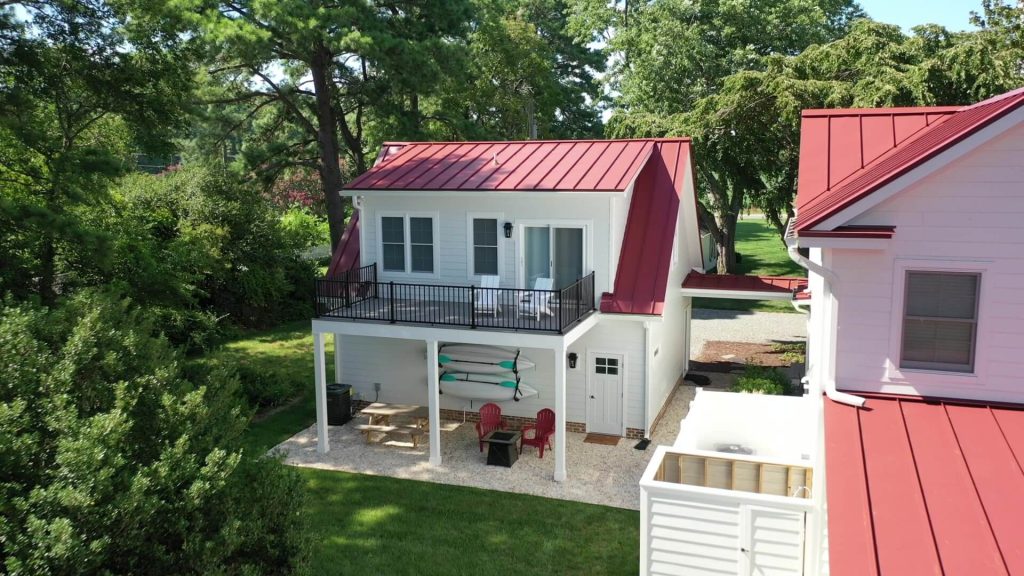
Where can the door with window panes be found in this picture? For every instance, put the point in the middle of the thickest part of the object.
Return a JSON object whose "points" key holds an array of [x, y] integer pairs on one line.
{"points": [[604, 393]]}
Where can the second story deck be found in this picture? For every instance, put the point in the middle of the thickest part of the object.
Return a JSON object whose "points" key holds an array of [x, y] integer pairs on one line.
{"points": [[357, 295]]}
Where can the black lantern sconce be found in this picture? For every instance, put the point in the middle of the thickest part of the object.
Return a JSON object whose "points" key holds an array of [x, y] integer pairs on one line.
{"points": [[572, 359], [508, 229]]}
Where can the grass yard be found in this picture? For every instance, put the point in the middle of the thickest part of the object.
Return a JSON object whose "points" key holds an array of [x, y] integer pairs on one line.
{"points": [[763, 255], [361, 524]]}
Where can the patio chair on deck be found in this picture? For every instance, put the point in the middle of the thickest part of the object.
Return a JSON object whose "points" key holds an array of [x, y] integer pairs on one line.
{"points": [[486, 299], [543, 431], [490, 420], [539, 301]]}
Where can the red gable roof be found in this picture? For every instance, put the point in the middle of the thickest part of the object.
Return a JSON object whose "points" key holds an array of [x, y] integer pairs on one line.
{"points": [[924, 487], [846, 154], [548, 165], [642, 277], [346, 255]]}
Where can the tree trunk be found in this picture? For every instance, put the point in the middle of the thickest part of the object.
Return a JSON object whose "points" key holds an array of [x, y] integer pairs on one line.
{"points": [[726, 241], [48, 268], [327, 140]]}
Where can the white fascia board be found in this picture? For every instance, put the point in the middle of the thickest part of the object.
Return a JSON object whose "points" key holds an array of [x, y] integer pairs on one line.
{"points": [[460, 335], [844, 243], [483, 193], [930, 166], [736, 294]]}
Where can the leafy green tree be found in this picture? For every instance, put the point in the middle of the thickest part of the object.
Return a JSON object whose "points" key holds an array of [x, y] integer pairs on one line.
{"points": [[308, 75], [749, 130], [81, 87], [526, 76], [112, 463], [670, 54]]}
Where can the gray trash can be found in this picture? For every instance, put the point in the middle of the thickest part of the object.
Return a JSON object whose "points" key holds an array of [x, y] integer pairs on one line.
{"points": [[339, 404]]}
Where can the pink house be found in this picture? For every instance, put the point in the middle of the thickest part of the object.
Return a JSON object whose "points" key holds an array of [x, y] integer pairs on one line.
{"points": [[911, 220], [906, 456]]}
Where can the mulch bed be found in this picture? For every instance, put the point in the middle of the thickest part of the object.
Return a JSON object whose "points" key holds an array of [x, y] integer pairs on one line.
{"points": [[722, 356]]}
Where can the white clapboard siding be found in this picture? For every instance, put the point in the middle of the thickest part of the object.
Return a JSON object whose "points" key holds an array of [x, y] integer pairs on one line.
{"points": [[689, 538], [774, 542], [966, 216]]}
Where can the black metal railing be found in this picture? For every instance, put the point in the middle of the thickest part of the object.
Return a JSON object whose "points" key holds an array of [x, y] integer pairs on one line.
{"points": [[358, 295]]}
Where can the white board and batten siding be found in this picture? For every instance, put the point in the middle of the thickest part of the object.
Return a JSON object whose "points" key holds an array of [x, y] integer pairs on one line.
{"points": [[695, 531], [965, 217]]}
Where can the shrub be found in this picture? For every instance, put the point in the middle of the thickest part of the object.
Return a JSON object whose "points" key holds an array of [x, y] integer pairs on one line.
{"points": [[762, 380], [205, 248], [303, 229], [112, 462]]}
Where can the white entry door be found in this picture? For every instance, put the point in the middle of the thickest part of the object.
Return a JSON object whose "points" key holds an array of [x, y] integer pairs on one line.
{"points": [[604, 393]]}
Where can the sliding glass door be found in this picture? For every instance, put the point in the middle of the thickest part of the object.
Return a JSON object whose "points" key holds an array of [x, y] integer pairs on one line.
{"points": [[552, 252]]}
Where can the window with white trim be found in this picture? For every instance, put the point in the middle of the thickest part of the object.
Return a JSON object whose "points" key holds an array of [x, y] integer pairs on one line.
{"points": [[407, 244], [485, 246], [940, 321]]}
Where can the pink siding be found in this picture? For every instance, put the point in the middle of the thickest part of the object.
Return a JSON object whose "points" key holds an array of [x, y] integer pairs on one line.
{"points": [[969, 211]]}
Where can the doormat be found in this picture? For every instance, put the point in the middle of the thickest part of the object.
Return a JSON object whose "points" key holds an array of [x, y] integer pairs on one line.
{"points": [[602, 439]]}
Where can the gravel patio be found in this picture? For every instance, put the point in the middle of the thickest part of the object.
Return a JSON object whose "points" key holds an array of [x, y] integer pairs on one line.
{"points": [[598, 474]]}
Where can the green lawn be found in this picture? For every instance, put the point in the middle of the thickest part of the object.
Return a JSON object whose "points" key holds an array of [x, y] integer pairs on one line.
{"points": [[363, 524], [763, 255]]}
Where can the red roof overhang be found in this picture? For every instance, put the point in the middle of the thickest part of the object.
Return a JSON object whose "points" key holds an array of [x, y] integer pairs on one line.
{"points": [[920, 486], [736, 285], [869, 232]]}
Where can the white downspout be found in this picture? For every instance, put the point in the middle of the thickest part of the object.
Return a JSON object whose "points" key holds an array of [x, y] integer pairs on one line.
{"points": [[647, 379], [832, 280]]}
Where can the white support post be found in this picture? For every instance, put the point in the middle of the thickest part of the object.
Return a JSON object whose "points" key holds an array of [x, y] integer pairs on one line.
{"points": [[337, 358], [320, 384], [560, 439], [433, 403]]}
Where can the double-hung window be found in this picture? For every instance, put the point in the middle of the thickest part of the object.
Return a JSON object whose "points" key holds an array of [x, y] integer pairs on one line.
{"points": [[407, 244], [485, 246], [940, 321]]}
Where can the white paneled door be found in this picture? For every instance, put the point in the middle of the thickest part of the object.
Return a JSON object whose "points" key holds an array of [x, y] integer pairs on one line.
{"points": [[604, 394]]}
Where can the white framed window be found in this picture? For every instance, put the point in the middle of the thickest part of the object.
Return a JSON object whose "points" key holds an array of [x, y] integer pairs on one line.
{"points": [[484, 234], [940, 320], [409, 243]]}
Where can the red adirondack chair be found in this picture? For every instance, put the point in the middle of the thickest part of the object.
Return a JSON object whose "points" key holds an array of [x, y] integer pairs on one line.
{"points": [[543, 430], [490, 420]]}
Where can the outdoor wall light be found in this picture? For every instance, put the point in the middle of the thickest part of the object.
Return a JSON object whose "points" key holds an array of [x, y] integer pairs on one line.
{"points": [[508, 229], [572, 359]]}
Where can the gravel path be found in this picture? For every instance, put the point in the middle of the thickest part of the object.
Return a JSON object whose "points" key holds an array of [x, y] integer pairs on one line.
{"points": [[738, 326], [598, 474]]}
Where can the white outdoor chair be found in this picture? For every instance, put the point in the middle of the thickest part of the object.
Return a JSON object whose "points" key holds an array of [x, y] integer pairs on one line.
{"points": [[486, 299], [538, 302]]}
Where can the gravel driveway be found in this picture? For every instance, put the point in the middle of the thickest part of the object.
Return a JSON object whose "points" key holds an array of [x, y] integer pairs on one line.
{"points": [[739, 326]]}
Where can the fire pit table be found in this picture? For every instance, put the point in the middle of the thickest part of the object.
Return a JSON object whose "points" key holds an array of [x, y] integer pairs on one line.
{"points": [[501, 448]]}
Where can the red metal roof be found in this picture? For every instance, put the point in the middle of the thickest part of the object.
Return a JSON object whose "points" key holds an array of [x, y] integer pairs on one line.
{"points": [[548, 165], [346, 255], [919, 486], [641, 280], [846, 154], [741, 283]]}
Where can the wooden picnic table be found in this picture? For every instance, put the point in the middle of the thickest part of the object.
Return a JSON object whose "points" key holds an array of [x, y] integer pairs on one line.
{"points": [[380, 415]]}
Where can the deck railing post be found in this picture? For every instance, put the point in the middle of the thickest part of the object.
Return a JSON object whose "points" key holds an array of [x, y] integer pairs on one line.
{"points": [[472, 306], [391, 301]]}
